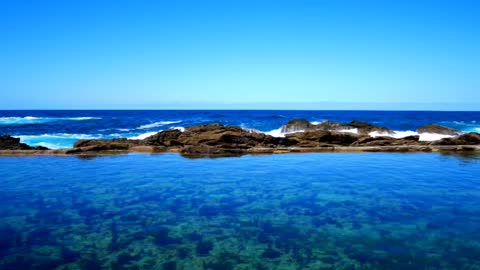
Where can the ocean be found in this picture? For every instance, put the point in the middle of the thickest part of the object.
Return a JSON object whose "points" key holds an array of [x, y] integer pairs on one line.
{"points": [[286, 211], [61, 129]]}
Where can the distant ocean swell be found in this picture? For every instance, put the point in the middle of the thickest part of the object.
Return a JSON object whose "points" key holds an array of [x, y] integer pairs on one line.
{"points": [[158, 124], [27, 120]]}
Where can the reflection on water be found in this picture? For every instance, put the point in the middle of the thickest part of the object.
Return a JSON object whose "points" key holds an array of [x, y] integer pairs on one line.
{"points": [[297, 211], [466, 156]]}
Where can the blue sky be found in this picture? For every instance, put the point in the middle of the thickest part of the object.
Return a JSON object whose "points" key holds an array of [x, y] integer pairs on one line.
{"points": [[240, 54]]}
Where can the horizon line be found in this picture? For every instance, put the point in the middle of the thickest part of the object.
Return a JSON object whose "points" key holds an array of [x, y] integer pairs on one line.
{"points": [[183, 109]]}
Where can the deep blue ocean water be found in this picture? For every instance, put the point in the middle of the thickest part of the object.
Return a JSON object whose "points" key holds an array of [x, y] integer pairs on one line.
{"points": [[289, 211], [60, 129]]}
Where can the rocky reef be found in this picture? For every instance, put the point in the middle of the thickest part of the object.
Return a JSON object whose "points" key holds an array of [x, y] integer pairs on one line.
{"points": [[300, 136], [11, 143]]}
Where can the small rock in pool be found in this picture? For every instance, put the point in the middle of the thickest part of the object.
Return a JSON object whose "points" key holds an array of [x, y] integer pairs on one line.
{"points": [[204, 248], [271, 253], [171, 265]]}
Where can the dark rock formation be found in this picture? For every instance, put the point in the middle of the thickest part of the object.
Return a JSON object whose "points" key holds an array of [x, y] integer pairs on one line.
{"points": [[465, 139], [331, 126], [434, 128], [213, 139], [165, 138], [365, 128], [216, 139], [411, 138], [11, 143], [296, 125], [319, 137]]}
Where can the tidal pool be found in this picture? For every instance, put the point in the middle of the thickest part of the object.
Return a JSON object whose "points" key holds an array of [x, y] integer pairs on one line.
{"points": [[292, 211]]}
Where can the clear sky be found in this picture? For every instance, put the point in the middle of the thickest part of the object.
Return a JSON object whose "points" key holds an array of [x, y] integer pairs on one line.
{"points": [[362, 54]]}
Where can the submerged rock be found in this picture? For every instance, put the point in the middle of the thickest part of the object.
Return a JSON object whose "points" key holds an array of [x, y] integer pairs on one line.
{"points": [[434, 128], [271, 253], [203, 248]]}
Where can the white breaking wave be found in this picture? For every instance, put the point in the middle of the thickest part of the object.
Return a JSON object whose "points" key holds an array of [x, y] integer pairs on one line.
{"points": [[396, 134], [26, 117], [150, 133], [182, 129], [427, 137], [351, 130], [278, 132], [251, 130], [158, 124], [144, 135], [57, 140], [79, 118], [317, 122], [15, 120]]}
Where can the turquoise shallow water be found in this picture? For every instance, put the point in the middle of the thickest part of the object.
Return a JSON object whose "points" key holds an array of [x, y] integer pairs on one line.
{"points": [[293, 211]]}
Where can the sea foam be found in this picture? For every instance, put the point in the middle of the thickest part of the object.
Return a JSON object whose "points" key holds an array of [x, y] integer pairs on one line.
{"points": [[144, 135], [182, 129], [278, 132], [150, 133], [428, 137], [57, 140], [158, 124]]}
